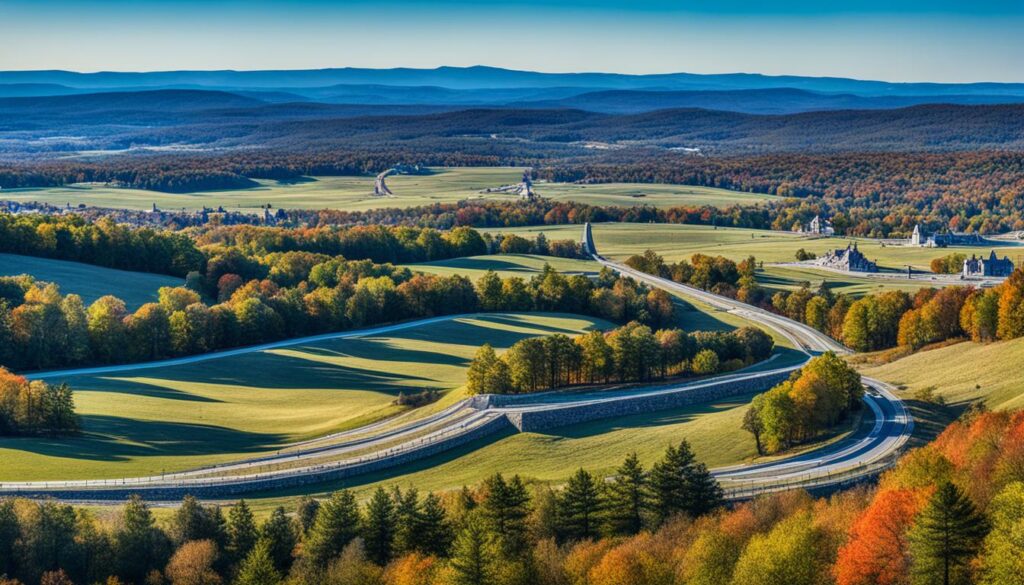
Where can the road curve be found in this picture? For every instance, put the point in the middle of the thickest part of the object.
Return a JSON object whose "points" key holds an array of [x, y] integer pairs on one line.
{"points": [[870, 447], [394, 440]]}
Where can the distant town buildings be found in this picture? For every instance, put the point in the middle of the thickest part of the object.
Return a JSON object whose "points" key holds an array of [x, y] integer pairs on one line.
{"points": [[152, 217], [819, 226], [943, 240], [975, 267], [848, 259]]}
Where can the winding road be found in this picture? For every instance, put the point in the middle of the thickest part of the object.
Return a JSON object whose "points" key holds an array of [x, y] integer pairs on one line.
{"points": [[397, 441]]}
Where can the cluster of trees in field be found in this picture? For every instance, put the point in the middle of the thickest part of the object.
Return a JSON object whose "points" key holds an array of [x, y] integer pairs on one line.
{"points": [[630, 353], [948, 264], [949, 512], [502, 532], [35, 408], [895, 318], [103, 243], [717, 274], [301, 294], [814, 399]]}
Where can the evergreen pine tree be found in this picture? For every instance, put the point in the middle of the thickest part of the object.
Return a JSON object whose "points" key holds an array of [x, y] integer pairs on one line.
{"points": [[280, 534], [139, 545], [945, 537], [578, 507], [629, 497], [259, 568], [407, 520], [336, 524], [9, 531], [306, 513], [506, 509], [681, 485], [435, 531], [242, 532], [379, 527], [474, 554]]}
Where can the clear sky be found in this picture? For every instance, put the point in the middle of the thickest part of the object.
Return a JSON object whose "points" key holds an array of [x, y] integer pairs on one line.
{"points": [[895, 40]]}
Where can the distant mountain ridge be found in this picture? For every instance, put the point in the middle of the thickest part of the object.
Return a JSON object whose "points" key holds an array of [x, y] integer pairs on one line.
{"points": [[482, 77]]}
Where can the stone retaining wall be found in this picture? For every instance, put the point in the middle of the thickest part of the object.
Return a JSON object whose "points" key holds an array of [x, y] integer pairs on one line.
{"points": [[539, 420]]}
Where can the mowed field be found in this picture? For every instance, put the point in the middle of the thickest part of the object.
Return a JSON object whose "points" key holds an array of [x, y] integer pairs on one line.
{"points": [[175, 418], [675, 242], [88, 281], [962, 373], [521, 265], [445, 185]]}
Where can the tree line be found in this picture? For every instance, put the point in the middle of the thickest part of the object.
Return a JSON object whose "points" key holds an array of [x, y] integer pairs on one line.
{"points": [[897, 319], [502, 531], [303, 294], [630, 353], [814, 399], [35, 408], [106, 243]]}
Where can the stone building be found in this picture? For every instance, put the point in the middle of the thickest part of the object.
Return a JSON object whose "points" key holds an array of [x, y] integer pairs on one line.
{"points": [[848, 259], [943, 239], [818, 226], [975, 267]]}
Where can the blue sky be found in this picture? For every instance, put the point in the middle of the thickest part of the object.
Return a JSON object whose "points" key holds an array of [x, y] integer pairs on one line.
{"points": [[897, 40]]}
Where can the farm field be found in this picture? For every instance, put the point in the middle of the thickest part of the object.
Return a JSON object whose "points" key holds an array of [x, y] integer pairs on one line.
{"points": [[656, 195], [446, 185], [88, 281], [174, 418], [521, 265]]}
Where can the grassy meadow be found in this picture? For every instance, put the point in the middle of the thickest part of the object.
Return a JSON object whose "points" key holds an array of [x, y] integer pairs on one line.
{"points": [[88, 281], [445, 185], [174, 418], [962, 373], [675, 242], [521, 265]]}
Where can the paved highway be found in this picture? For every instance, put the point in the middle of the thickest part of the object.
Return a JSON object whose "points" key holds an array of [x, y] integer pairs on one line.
{"points": [[401, 439], [875, 442]]}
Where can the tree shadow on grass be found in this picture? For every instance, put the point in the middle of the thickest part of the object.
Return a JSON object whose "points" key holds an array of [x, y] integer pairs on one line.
{"points": [[112, 438], [542, 328]]}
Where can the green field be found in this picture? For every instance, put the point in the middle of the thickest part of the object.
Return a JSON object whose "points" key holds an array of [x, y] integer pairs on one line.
{"points": [[962, 373], [658, 195], [188, 416], [88, 281], [675, 242], [521, 265], [445, 185]]}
